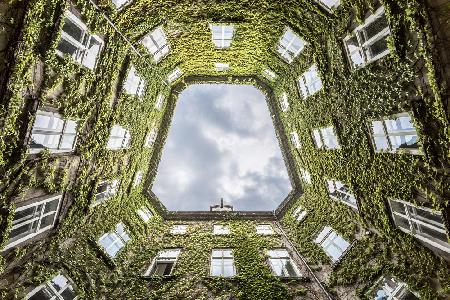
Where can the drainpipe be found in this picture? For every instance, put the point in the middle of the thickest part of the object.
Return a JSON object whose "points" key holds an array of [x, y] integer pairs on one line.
{"points": [[121, 34], [302, 259]]}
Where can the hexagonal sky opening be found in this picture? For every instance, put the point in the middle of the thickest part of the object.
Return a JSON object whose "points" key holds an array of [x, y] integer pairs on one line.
{"points": [[221, 144]]}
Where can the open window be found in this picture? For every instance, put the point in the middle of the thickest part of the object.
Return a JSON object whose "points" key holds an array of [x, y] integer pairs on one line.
{"points": [[78, 43], [51, 131], [113, 242], [389, 288], [59, 287], [369, 41], [281, 263], [332, 243], [33, 219], [341, 192], [164, 263]]}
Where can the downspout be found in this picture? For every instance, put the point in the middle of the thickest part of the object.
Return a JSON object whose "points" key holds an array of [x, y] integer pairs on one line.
{"points": [[302, 259]]}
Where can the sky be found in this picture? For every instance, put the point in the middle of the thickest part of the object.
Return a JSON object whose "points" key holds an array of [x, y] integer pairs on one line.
{"points": [[221, 144]]}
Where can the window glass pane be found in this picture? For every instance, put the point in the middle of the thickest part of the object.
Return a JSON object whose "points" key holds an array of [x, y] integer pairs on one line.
{"points": [[45, 141], [73, 30], [376, 48], [427, 216], [120, 230], [354, 51], [374, 28], [323, 234], [163, 268], [228, 268], [59, 282], [402, 222], [431, 233], [92, 52], [71, 126], [68, 48], [397, 206], [26, 214], [317, 138], [47, 221], [48, 122], [289, 269], [399, 124], [22, 231], [381, 143], [68, 293], [377, 127], [67, 142], [51, 205], [403, 141], [216, 268], [44, 294]]}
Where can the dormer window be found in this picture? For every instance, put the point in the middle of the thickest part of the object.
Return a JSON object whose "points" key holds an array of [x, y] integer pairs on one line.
{"points": [[134, 85], [51, 131], [78, 43], [221, 67], [222, 35], [310, 83], [174, 75], [156, 43], [369, 41], [290, 45], [119, 138]]}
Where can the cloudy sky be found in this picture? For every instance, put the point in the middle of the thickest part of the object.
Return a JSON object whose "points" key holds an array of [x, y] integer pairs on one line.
{"points": [[221, 144]]}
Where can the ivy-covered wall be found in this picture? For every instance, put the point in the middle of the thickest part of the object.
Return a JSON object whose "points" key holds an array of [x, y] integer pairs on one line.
{"points": [[408, 79]]}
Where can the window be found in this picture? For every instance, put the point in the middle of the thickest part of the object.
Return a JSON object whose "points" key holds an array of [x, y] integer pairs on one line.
{"points": [[144, 213], [368, 42], [284, 103], [222, 35], [119, 138], [120, 3], [151, 138], [305, 175], [389, 288], [269, 74], [156, 43], [134, 85], [299, 213], [422, 223], [341, 192], [290, 45], [33, 219], [179, 229], [309, 83], [105, 190], [59, 288], [174, 75], [325, 138], [330, 4], [164, 263], [281, 263], [295, 140], [51, 131], [220, 67], [264, 229], [113, 242], [332, 243], [222, 263], [138, 178], [159, 102], [395, 133], [221, 229], [76, 42]]}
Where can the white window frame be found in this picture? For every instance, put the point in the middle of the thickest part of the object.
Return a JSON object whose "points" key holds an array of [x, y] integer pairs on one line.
{"points": [[281, 257], [219, 229], [300, 214], [145, 213], [387, 135], [49, 132], [37, 216], [362, 46], [222, 67], [285, 51], [126, 137], [295, 141], [112, 187], [120, 239], [269, 74], [221, 259], [170, 255], [151, 138], [264, 229], [307, 81], [82, 48], [48, 286], [341, 194], [221, 41], [306, 176], [322, 139], [329, 7], [159, 102], [179, 229], [284, 102], [138, 178], [397, 293], [134, 87], [415, 224], [174, 75], [162, 50], [326, 238]]}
